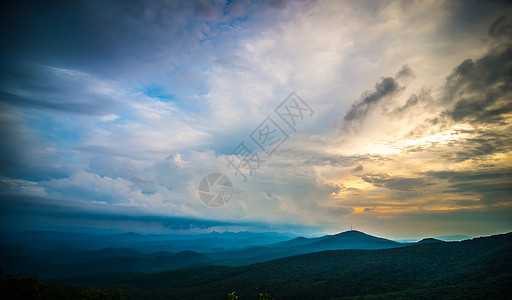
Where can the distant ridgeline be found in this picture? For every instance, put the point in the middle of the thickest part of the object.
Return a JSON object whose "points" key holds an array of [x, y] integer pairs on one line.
{"points": [[57, 254], [369, 267]]}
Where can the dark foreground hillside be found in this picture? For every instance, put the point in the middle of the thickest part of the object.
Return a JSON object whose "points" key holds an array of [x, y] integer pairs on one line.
{"points": [[474, 269]]}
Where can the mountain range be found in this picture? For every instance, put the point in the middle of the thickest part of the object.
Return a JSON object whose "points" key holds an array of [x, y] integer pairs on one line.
{"points": [[54, 254], [480, 268], [347, 265]]}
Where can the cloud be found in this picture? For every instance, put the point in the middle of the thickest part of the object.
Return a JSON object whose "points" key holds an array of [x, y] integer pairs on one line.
{"points": [[501, 28], [396, 182], [386, 87], [358, 169], [491, 186], [414, 100], [112, 33], [440, 148], [121, 108], [20, 212], [481, 90], [56, 89]]}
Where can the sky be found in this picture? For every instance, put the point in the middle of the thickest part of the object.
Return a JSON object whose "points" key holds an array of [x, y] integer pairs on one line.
{"points": [[390, 116]]}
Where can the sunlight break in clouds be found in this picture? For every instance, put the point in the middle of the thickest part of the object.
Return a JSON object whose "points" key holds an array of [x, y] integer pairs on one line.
{"points": [[116, 110]]}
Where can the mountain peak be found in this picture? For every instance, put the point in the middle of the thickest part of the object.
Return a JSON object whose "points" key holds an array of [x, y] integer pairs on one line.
{"points": [[350, 232], [430, 240]]}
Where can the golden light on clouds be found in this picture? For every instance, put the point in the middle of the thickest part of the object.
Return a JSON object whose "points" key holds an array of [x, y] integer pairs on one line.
{"points": [[412, 114]]}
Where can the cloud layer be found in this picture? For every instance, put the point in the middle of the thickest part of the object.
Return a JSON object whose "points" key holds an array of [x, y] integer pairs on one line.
{"points": [[119, 109]]}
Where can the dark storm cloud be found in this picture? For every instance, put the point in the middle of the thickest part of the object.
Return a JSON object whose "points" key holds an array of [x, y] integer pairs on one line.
{"points": [[16, 210], [493, 186], [101, 32], [501, 28], [405, 72], [117, 37], [412, 102], [483, 144], [472, 222], [483, 147], [481, 90], [472, 175], [395, 182], [385, 88], [469, 13], [23, 205], [358, 169]]}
